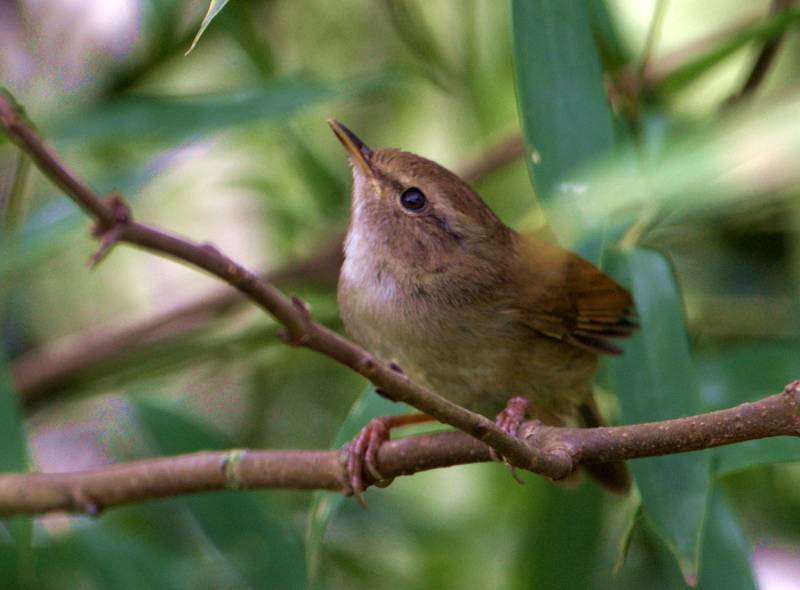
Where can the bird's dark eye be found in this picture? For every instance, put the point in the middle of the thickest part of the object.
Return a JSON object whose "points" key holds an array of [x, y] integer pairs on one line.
{"points": [[413, 199]]}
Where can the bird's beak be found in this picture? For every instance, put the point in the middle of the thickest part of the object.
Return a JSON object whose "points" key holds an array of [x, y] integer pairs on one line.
{"points": [[359, 152]]}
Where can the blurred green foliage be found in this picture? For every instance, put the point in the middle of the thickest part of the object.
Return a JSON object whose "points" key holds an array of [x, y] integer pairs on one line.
{"points": [[657, 360], [637, 159]]}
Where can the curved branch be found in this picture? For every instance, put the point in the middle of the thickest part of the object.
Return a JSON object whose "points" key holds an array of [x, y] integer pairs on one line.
{"points": [[91, 491], [550, 451], [114, 224], [777, 415], [40, 373]]}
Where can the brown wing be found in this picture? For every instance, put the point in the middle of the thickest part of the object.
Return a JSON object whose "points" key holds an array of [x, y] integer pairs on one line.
{"points": [[568, 298]]}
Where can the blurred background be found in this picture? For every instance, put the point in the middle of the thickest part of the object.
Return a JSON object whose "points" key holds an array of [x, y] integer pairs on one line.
{"points": [[661, 139]]}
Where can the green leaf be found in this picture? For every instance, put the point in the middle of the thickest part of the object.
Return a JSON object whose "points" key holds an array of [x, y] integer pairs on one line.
{"points": [[725, 559], [561, 537], [254, 541], [13, 457], [24, 252], [745, 373], [173, 354], [105, 558], [699, 65], [325, 505], [756, 453], [9, 568], [610, 45], [214, 8], [703, 171], [726, 554], [326, 186], [410, 26], [174, 118], [13, 447], [732, 375], [649, 564], [655, 380], [16, 192], [566, 119], [245, 28]]}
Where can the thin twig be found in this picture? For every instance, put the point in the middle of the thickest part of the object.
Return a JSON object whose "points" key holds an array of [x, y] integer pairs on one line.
{"points": [[94, 490], [653, 35], [497, 156], [632, 82], [765, 59]]}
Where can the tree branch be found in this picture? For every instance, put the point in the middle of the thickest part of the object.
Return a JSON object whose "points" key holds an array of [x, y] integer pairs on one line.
{"points": [[40, 373], [114, 224], [550, 451], [43, 372], [777, 415], [495, 157], [94, 490]]}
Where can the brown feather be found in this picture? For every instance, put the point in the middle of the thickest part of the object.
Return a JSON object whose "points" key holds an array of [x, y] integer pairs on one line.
{"points": [[568, 298]]}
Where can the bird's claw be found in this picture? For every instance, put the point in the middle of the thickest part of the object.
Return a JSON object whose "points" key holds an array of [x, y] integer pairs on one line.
{"points": [[360, 457], [509, 420]]}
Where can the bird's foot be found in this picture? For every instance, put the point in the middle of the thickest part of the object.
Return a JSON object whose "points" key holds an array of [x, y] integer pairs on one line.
{"points": [[509, 420], [360, 456]]}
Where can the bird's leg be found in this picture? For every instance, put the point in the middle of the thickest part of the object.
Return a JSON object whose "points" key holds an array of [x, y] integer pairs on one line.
{"points": [[360, 456], [512, 416], [509, 419]]}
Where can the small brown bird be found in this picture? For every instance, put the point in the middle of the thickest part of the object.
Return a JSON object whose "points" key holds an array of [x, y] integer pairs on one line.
{"points": [[487, 317]]}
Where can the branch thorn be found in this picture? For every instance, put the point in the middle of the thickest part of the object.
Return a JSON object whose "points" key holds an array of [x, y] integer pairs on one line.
{"points": [[302, 307], [109, 236], [109, 239]]}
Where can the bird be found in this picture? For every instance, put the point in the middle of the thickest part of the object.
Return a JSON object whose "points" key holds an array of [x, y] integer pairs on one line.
{"points": [[502, 323]]}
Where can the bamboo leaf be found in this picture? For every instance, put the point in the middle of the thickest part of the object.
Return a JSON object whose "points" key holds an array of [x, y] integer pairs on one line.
{"points": [[325, 505], [654, 380], [13, 457], [705, 171], [159, 118], [564, 550], [700, 64], [214, 8], [726, 557], [744, 373], [726, 553], [256, 543], [563, 108]]}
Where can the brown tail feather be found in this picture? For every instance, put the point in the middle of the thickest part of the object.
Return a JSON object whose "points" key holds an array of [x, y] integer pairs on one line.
{"points": [[614, 477]]}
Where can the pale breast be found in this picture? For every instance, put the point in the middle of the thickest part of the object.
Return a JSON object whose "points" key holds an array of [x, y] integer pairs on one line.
{"points": [[477, 354]]}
